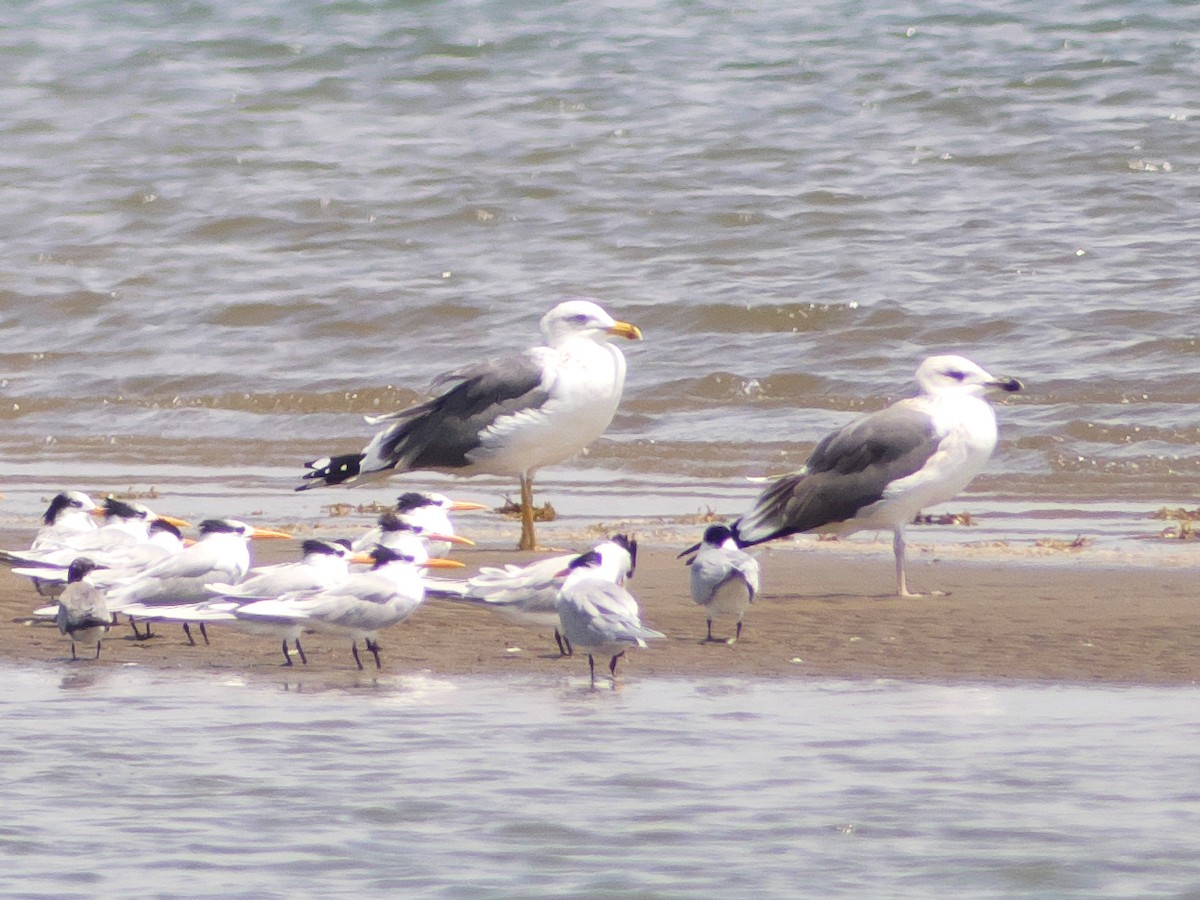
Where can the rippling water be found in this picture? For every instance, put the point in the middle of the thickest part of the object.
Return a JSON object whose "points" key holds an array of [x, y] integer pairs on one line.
{"points": [[122, 782], [231, 230]]}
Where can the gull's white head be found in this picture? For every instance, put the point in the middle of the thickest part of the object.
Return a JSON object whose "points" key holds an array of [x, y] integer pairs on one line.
{"points": [[957, 374], [574, 318]]}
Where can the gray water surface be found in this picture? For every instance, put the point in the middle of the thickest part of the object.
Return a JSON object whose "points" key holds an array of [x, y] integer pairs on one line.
{"points": [[132, 783]]}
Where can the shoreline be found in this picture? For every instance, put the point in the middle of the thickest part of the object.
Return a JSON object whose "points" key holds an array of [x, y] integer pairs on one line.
{"points": [[824, 615]]}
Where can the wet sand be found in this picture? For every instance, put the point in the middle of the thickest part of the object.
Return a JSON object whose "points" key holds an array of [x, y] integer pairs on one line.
{"points": [[820, 615]]}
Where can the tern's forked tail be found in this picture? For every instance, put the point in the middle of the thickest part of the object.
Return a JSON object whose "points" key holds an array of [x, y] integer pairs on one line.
{"points": [[331, 470]]}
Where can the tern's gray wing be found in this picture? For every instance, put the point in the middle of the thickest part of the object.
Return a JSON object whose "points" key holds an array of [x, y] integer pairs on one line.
{"points": [[849, 469], [596, 612], [82, 606], [714, 567]]}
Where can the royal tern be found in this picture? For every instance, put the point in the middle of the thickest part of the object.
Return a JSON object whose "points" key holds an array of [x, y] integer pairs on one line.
{"points": [[396, 533], [882, 469], [598, 615], [509, 416], [126, 524], [529, 594], [323, 563], [70, 514], [123, 563], [425, 511], [221, 555], [83, 615], [359, 606], [724, 578]]}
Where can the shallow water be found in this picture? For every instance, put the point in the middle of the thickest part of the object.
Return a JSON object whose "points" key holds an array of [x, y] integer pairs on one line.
{"points": [[123, 781], [232, 231]]}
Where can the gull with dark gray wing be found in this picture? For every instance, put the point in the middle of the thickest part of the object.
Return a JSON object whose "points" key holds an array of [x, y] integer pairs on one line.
{"points": [[508, 416], [880, 470]]}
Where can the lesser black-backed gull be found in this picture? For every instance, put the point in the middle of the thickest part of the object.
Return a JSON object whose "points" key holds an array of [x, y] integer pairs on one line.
{"points": [[508, 416], [880, 470]]}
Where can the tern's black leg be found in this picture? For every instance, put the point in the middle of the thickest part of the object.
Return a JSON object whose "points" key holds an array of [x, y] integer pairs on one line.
{"points": [[739, 630], [612, 666], [137, 636], [300, 650], [373, 646], [204, 634], [354, 650], [564, 645], [287, 658], [97, 649], [592, 667], [710, 637], [73, 656], [187, 629]]}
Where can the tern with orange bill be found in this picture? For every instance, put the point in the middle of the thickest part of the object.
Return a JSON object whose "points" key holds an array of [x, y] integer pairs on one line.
{"points": [[221, 555], [360, 605]]}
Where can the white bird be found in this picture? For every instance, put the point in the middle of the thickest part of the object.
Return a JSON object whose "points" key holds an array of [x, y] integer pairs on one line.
{"points": [[126, 524], [401, 535], [121, 564], [359, 606], [529, 594], [425, 511], [70, 513], [598, 615], [323, 563], [882, 469], [221, 555], [82, 612], [509, 416], [724, 578]]}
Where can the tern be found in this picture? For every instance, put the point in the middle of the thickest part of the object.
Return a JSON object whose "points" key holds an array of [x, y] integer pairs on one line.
{"points": [[359, 606], [83, 614], [724, 578], [529, 594], [598, 615], [221, 555]]}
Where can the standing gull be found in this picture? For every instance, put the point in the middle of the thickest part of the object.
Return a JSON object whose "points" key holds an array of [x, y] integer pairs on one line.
{"points": [[724, 578], [507, 416], [882, 469]]}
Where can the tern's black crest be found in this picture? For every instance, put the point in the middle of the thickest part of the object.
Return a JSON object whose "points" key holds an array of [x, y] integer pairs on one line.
{"points": [[630, 545], [123, 510], [384, 555], [390, 522], [79, 568], [412, 500], [717, 534], [327, 548], [61, 501], [591, 558], [164, 525], [331, 470], [220, 526]]}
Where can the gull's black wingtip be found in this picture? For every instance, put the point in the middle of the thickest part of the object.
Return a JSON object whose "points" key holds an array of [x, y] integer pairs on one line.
{"points": [[331, 470]]}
